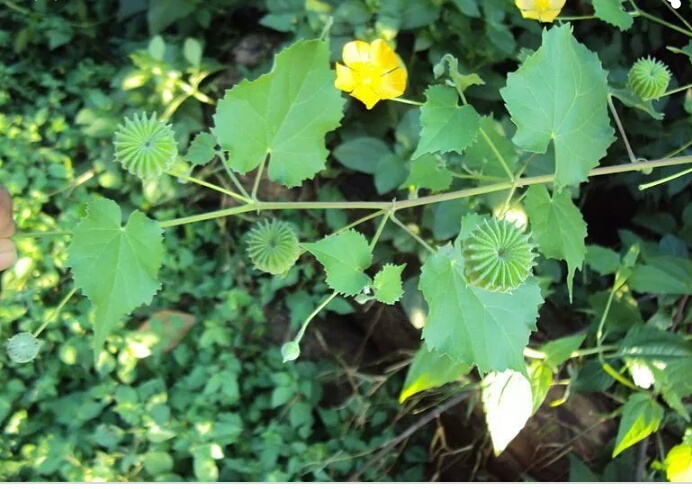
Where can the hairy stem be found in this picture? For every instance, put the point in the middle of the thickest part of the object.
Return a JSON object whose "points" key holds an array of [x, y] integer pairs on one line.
{"points": [[430, 199]]}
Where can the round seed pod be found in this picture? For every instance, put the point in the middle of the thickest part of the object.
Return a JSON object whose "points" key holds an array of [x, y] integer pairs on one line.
{"points": [[648, 78], [22, 347], [145, 147], [273, 247], [497, 256]]}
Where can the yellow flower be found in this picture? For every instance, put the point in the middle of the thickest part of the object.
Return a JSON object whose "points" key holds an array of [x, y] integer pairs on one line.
{"points": [[373, 72], [678, 464], [541, 10]]}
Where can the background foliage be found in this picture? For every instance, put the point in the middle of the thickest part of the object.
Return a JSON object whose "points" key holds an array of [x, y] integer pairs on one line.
{"points": [[194, 388]]}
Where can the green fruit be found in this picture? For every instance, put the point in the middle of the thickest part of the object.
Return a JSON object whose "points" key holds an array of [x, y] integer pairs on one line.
{"points": [[648, 78], [497, 256], [145, 147], [273, 247]]}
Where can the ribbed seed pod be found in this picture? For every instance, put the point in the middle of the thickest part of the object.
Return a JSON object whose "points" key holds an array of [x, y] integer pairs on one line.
{"points": [[648, 78], [273, 247], [497, 256], [145, 147], [22, 347]]}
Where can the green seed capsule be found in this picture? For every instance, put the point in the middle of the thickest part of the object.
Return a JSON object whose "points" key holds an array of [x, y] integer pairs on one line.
{"points": [[648, 78], [145, 147], [497, 256], [273, 247]]}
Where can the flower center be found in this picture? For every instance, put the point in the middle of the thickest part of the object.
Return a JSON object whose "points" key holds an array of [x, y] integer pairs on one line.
{"points": [[542, 5]]}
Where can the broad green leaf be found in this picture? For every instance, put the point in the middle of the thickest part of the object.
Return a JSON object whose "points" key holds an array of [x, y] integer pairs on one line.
{"points": [[647, 342], [631, 99], [624, 312], [603, 260], [559, 95], [390, 173], [488, 155], [558, 227], [445, 126], [192, 50], [427, 172], [461, 82], [578, 471], [387, 284], [344, 257], [204, 464], [508, 405], [641, 416], [558, 351], [361, 154], [430, 370], [284, 114], [678, 463], [663, 275], [156, 463], [116, 266], [613, 12], [202, 149], [541, 377], [476, 326], [660, 358]]}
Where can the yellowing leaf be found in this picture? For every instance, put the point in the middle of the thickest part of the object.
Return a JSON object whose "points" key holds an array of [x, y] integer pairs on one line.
{"points": [[641, 416], [429, 370]]}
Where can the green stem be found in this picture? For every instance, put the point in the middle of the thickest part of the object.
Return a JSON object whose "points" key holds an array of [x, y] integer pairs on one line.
{"points": [[258, 178], [679, 150], [676, 90], [497, 154], [380, 228], [412, 234], [539, 355], [209, 185], [599, 342], [675, 12], [55, 312], [472, 176], [41, 234], [570, 18], [662, 22], [312, 315], [231, 175], [647, 186], [430, 199], [357, 222], [621, 129], [407, 101]]}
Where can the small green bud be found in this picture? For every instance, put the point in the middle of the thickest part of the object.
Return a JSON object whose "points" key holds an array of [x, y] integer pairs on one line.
{"points": [[290, 351]]}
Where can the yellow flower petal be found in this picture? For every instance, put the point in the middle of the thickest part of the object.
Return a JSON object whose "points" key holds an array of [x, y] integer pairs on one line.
{"points": [[393, 84], [383, 56], [678, 464], [356, 53], [344, 78], [366, 95], [541, 10], [372, 72]]}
